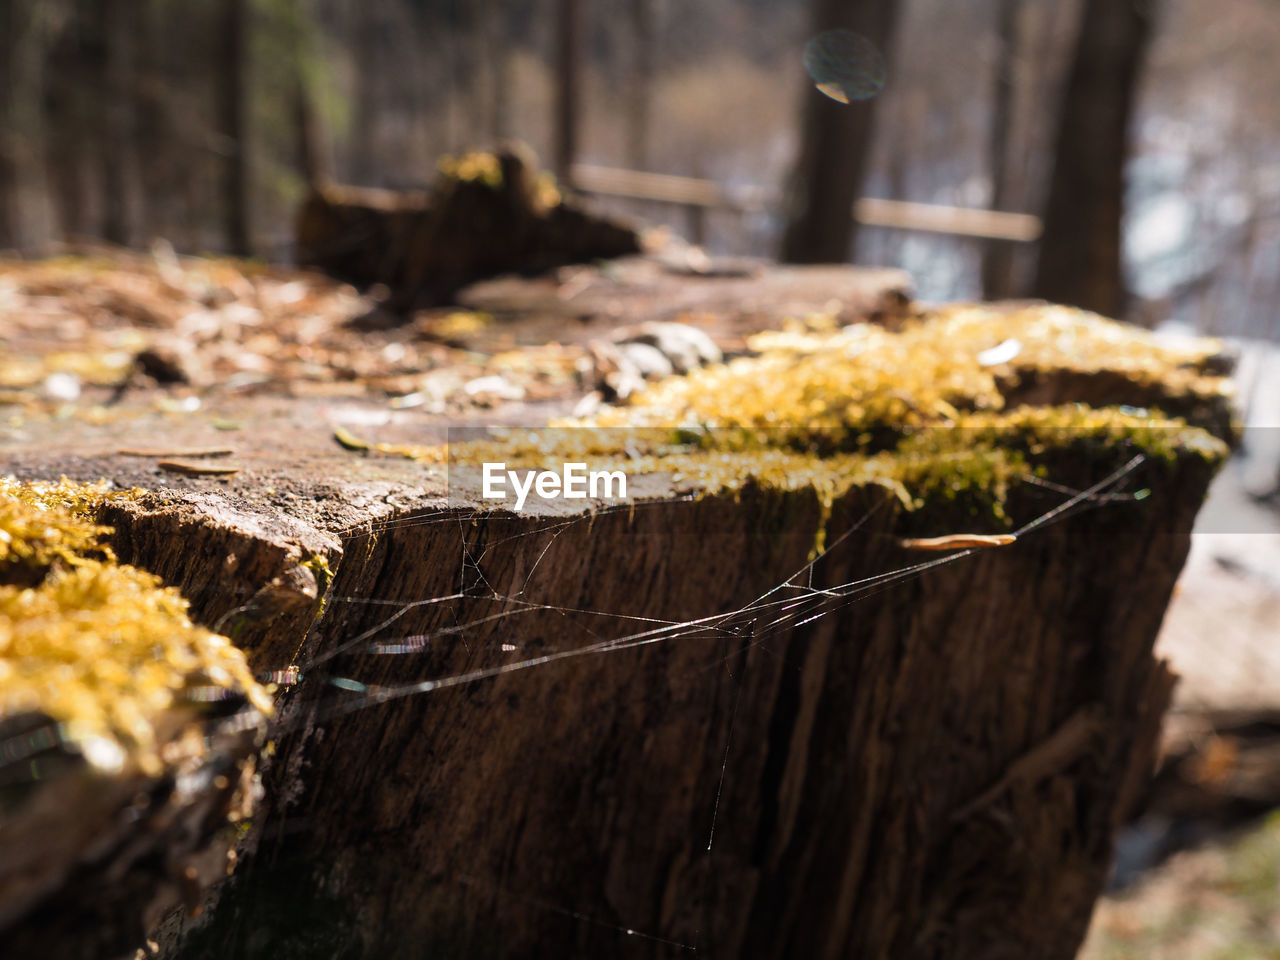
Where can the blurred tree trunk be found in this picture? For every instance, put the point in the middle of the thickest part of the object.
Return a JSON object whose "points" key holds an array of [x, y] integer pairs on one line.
{"points": [[118, 22], [155, 150], [69, 126], [835, 144], [997, 261], [1080, 252], [640, 93], [24, 30], [367, 51], [234, 123], [10, 144], [312, 157], [568, 83]]}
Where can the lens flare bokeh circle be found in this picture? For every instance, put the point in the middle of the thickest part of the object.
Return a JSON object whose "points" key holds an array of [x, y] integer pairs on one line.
{"points": [[845, 66]]}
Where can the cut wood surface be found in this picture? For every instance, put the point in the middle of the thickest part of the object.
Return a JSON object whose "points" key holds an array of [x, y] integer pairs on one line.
{"points": [[931, 769]]}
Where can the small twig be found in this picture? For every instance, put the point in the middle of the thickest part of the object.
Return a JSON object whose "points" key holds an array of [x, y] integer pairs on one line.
{"points": [[196, 469], [959, 541], [178, 452]]}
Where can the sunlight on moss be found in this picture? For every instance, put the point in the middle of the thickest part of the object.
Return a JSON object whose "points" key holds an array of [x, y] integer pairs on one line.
{"points": [[817, 389], [1037, 429], [47, 523], [100, 647], [810, 390], [461, 322], [486, 168], [918, 411], [1064, 338], [472, 167]]}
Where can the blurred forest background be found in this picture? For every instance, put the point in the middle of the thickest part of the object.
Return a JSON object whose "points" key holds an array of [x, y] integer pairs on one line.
{"points": [[203, 121]]}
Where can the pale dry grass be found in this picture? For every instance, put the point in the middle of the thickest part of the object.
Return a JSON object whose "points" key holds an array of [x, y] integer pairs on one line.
{"points": [[1221, 902]]}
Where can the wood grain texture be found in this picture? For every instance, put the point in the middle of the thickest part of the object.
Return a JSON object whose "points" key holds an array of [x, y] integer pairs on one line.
{"points": [[839, 760]]}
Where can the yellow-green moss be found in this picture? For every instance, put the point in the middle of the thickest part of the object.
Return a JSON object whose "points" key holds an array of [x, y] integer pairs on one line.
{"points": [[843, 389], [1037, 429], [472, 167], [45, 524], [100, 647], [985, 452], [817, 391], [917, 411], [459, 323], [486, 168], [320, 569], [1063, 338]]}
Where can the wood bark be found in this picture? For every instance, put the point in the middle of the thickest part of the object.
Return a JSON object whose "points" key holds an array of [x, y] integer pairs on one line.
{"points": [[856, 778], [843, 788], [1080, 260], [89, 863], [825, 725], [835, 140]]}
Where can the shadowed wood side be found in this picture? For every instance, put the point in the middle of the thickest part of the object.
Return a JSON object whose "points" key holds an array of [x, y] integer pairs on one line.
{"points": [[906, 777]]}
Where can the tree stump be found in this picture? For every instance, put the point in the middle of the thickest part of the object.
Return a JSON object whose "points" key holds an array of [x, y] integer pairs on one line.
{"points": [[599, 732], [488, 215]]}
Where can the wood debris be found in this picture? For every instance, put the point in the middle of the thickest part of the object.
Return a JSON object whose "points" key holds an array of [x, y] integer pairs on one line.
{"points": [[959, 541], [177, 452], [190, 469]]}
